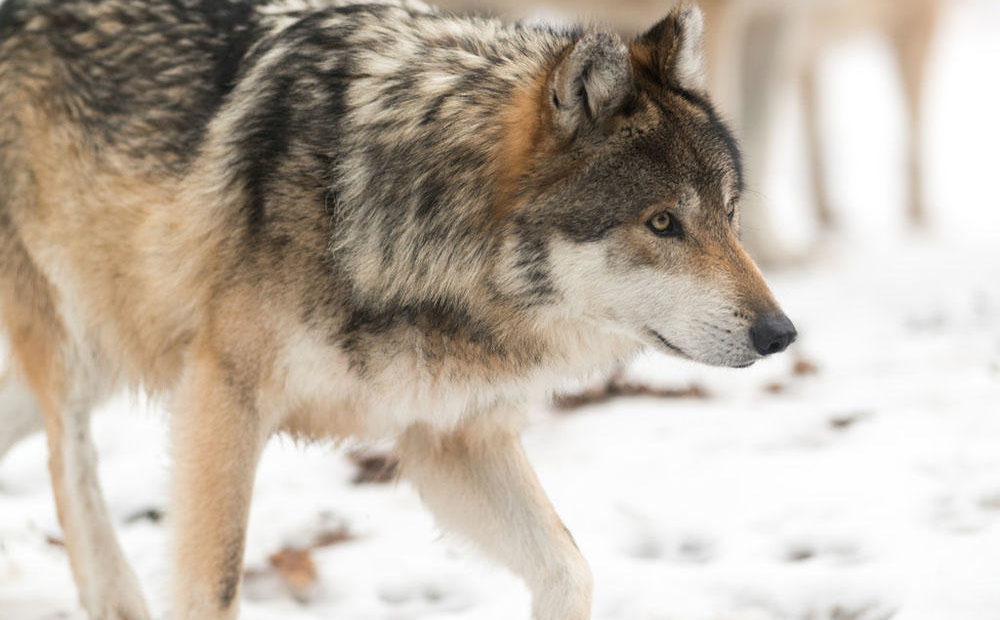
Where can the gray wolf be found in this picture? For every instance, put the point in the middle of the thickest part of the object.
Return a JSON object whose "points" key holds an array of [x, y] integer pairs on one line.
{"points": [[349, 220]]}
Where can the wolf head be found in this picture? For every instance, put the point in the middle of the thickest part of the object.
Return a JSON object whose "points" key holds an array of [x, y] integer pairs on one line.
{"points": [[631, 201]]}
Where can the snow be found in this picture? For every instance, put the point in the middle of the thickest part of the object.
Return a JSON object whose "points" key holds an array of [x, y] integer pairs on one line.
{"points": [[868, 490]]}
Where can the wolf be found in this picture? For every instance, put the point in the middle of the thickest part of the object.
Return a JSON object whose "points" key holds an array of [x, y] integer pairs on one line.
{"points": [[762, 48], [361, 221]]}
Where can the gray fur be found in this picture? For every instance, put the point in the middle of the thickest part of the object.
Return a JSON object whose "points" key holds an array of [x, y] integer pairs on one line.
{"points": [[592, 83]]}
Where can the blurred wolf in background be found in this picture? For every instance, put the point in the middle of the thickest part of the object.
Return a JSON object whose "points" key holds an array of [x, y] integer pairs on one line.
{"points": [[339, 221], [756, 49]]}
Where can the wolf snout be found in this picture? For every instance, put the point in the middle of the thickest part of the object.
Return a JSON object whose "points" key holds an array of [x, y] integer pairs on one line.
{"points": [[772, 333]]}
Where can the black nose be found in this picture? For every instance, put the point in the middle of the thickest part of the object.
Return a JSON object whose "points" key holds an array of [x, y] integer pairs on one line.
{"points": [[772, 334]]}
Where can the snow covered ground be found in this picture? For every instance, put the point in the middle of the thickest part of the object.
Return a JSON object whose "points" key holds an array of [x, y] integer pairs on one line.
{"points": [[868, 490]]}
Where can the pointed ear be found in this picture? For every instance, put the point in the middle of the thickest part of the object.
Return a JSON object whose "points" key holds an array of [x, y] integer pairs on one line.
{"points": [[672, 52], [591, 83]]}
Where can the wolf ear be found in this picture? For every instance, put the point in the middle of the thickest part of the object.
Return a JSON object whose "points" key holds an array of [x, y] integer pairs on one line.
{"points": [[673, 50], [591, 83]]}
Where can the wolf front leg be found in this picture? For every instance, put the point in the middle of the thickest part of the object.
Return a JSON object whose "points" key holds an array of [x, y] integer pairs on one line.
{"points": [[479, 483], [218, 436]]}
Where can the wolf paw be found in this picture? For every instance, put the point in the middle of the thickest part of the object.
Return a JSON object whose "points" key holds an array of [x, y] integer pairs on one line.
{"points": [[120, 611], [567, 595], [117, 602]]}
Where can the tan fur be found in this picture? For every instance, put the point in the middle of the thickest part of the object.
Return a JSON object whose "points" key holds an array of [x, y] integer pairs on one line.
{"points": [[214, 431], [153, 315], [527, 123]]}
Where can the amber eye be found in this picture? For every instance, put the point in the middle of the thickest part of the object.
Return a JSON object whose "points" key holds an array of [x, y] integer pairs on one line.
{"points": [[664, 225]]}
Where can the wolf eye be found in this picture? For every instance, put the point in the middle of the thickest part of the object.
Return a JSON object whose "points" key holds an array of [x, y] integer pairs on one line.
{"points": [[664, 225], [731, 211]]}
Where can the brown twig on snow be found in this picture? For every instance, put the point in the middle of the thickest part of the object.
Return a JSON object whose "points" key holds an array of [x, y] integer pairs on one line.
{"points": [[617, 387], [804, 368], [295, 566]]}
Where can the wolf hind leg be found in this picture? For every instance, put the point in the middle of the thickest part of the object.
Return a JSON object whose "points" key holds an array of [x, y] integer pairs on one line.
{"points": [[60, 383], [479, 484], [108, 588]]}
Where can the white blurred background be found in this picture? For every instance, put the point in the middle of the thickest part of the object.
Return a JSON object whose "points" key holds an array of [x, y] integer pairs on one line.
{"points": [[857, 477]]}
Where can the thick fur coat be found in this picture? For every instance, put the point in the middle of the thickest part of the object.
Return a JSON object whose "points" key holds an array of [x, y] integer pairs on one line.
{"points": [[349, 220]]}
